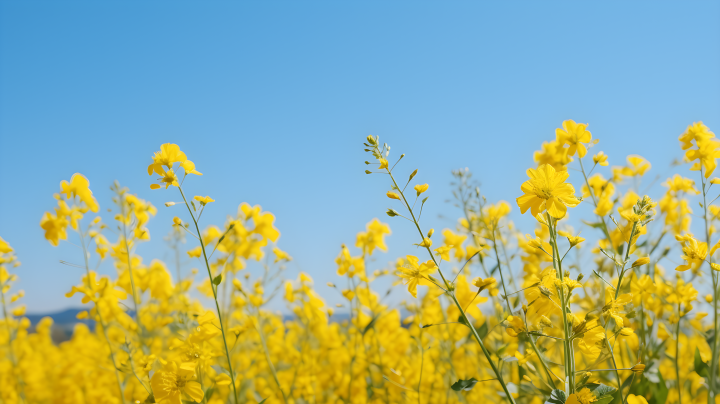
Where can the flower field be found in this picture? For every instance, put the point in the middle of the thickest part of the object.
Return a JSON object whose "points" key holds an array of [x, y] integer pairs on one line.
{"points": [[494, 313]]}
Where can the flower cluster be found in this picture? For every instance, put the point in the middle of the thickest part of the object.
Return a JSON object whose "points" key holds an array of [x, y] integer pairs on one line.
{"points": [[486, 312]]}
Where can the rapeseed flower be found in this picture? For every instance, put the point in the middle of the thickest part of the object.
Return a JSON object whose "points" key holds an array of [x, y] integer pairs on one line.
{"points": [[547, 190]]}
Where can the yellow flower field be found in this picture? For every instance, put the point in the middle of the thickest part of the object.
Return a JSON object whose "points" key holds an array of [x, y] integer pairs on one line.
{"points": [[494, 313]]}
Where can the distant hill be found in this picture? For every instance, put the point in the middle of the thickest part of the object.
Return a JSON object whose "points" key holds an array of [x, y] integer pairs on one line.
{"points": [[63, 323]]}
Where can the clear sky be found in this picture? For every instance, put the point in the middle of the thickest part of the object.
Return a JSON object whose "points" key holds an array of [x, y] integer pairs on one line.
{"points": [[273, 99]]}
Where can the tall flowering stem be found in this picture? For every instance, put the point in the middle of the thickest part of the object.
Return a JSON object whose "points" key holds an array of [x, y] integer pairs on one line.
{"points": [[215, 297], [714, 360], [564, 302], [447, 285], [129, 263]]}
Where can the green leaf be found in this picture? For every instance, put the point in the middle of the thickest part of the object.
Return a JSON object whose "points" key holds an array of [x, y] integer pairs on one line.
{"points": [[660, 392], [482, 330], [465, 385], [392, 213], [556, 397], [701, 367], [604, 400], [603, 390], [594, 225], [370, 325], [217, 280]]}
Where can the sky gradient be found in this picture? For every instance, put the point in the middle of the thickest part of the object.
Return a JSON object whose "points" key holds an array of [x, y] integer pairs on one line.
{"points": [[272, 101]]}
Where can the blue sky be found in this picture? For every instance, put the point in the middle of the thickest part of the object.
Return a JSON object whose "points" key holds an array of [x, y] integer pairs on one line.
{"points": [[272, 101]]}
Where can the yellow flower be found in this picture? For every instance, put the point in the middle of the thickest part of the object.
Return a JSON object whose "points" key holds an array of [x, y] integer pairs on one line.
{"points": [[177, 221], [5, 247], [640, 262], [426, 242], [614, 306], [168, 155], [593, 336], [639, 368], [195, 252], [694, 252], [172, 381], [483, 284], [203, 200], [383, 164], [79, 186], [223, 380], [374, 237], [633, 399], [281, 255], [168, 178], [547, 190], [348, 294], [393, 195], [55, 228], [553, 153], [707, 152], [515, 326], [420, 188], [584, 396], [189, 167], [444, 252], [574, 135], [415, 273], [601, 159]]}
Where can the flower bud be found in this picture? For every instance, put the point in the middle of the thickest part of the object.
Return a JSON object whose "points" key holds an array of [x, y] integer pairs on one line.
{"points": [[169, 204], [640, 262]]}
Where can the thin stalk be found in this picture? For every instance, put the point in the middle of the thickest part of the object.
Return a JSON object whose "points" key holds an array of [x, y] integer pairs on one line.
{"points": [[569, 357], [677, 358], [714, 361], [267, 356], [455, 301], [129, 264], [595, 202], [217, 305]]}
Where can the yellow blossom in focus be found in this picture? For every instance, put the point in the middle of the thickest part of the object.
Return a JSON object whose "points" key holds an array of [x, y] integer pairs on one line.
{"points": [[170, 383], [415, 274], [547, 190]]}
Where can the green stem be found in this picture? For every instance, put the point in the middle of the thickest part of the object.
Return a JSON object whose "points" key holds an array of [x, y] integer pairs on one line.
{"points": [[267, 357], [677, 358], [714, 361], [454, 299], [212, 286], [129, 264], [557, 263]]}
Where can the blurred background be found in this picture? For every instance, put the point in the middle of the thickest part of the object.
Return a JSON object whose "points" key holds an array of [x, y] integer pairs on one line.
{"points": [[272, 101]]}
